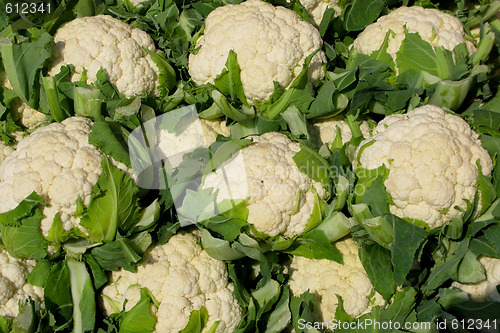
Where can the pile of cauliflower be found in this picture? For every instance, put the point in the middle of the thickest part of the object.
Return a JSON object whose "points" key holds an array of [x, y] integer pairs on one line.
{"points": [[432, 162]]}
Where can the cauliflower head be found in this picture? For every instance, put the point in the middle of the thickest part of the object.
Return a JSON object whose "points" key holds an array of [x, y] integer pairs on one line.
{"points": [[14, 288], [433, 26], [92, 42], [431, 157], [271, 44], [316, 8], [22, 112], [485, 290], [281, 198], [183, 278], [26, 115], [198, 133], [325, 131], [327, 279], [58, 163], [213, 127]]}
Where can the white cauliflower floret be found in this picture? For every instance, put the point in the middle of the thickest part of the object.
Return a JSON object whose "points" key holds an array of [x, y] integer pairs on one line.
{"points": [[136, 3], [14, 288], [26, 115], [280, 197], [317, 8], [433, 26], [5, 150], [271, 44], [214, 127], [431, 157], [183, 278], [198, 133], [325, 131], [58, 163], [485, 290], [99, 41], [327, 279]]}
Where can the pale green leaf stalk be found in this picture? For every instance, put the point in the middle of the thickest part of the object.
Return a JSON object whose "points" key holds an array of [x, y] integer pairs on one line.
{"points": [[223, 104], [336, 226], [451, 94], [82, 293], [50, 89], [218, 248], [296, 121], [485, 45], [87, 102]]}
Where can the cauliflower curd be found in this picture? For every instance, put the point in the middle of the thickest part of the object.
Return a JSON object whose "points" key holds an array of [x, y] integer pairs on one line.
{"points": [[198, 133], [183, 278], [325, 131], [327, 279], [281, 198], [316, 8], [13, 286], [433, 26], [58, 163], [431, 157], [111, 44], [271, 43]]}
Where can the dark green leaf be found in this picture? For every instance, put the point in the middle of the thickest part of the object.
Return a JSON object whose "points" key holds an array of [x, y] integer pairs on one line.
{"points": [[302, 307], [113, 204], [99, 277], [327, 102], [197, 321], [492, 233], [229, 81], [20, 230], [401, 307], [117, 254], [448, 269], [376, 196], [109, 137], [315, 166], [377, 263], [361, 13], [315, 245], [57, 295], [23, 63], [407, 240], [419, 55], [39, 274], [138, 319]]}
